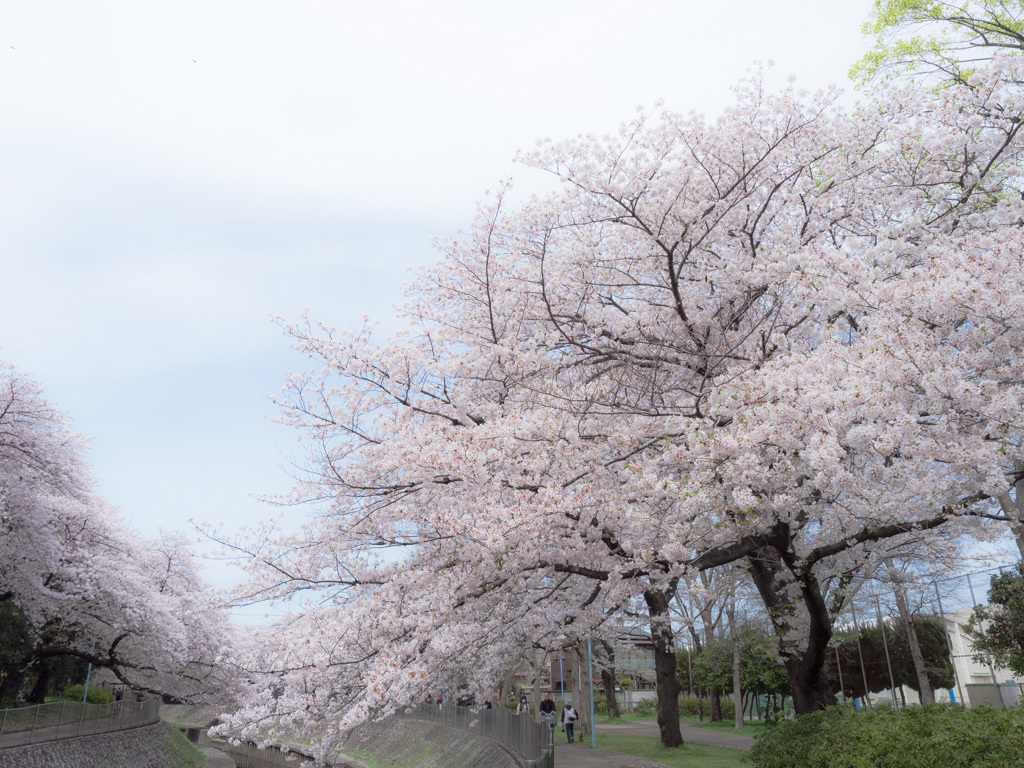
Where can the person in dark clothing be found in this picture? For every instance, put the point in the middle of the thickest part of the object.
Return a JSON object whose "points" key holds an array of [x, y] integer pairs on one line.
{"points": [[547, 711]]}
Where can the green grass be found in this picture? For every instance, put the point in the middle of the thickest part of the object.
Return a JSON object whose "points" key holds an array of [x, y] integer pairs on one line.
{"points": [[755, 728], [625, 719], [182, 753], [687, 756], [751, 729]]}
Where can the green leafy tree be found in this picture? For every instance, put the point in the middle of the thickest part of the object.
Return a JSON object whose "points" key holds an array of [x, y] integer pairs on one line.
{"points": [[998, 629], [937, 37], [931, 637], [712, 667], [761, 670], [760, 667]]}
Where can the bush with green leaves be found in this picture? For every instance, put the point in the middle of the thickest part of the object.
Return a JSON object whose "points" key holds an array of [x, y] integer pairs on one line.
{"points": [[944, 735], [97, 695], [645, 706], [689, 706]]}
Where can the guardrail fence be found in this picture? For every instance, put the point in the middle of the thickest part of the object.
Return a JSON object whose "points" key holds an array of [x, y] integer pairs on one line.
{"points": [[529, 740], [67, 719]]}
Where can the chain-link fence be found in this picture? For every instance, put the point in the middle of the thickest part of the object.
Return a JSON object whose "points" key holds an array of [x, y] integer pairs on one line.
{"points": [[529, 740], [67, 719]]}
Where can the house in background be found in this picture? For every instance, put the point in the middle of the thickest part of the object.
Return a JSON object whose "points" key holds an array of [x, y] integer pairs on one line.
{"points": [[634, 661]]}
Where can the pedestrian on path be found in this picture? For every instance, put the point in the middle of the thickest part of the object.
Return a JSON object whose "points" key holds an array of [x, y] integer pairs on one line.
{"points": [[547, 713], [524, 705], [569, 718]]}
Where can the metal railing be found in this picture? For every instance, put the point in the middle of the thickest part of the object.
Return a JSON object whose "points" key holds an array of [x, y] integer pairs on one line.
{"points": [[529, 740], [68, 719], [250, 756]]}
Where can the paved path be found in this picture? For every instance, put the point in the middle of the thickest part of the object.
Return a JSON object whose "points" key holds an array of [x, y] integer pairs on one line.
{"points": [[217, 759], [582, 756]]}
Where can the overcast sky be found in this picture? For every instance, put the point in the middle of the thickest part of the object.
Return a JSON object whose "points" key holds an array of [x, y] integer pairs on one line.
{"points": [[173, 173]]}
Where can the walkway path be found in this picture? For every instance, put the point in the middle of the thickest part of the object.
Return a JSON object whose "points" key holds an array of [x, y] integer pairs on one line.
{"points": [[217, 759], [582, 756]]}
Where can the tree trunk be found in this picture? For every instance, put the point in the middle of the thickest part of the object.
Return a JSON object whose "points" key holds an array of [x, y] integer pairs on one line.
{"points": [[924, 685], [39, 690], [535, 692], [581, 692], [737, 693], [608, 680], [803, 626], [716, 706], [665, 666], [1014, 509], [11, 684]]}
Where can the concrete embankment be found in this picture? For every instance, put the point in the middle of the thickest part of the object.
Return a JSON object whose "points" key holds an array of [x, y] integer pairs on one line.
{"points": [[402, 743], [154, 746]]}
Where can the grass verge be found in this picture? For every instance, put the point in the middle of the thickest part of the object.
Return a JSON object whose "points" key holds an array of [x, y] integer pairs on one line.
{"points": [[687, 756], [751, 729], [182, 753]]}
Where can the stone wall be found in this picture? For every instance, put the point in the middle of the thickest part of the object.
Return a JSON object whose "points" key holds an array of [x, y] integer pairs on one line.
{"points": [[154, 746]]}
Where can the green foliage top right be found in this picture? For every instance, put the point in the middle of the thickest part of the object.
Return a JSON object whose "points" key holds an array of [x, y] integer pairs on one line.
{"points": [[998, 628], [937, 39]]}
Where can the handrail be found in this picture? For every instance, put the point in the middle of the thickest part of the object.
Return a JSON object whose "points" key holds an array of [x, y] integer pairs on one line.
{"points": [[69, 719], [529, 740]]}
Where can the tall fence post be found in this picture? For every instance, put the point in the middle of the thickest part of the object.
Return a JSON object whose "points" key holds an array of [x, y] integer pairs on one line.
{"points": [[860, 656], [885, 645], [839, 667], [949, 642], [991, 669]]}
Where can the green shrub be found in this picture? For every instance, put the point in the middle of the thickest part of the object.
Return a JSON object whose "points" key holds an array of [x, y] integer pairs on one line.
{"points": [[97, 695], [944, 735], [645, 706], [689, 706]]}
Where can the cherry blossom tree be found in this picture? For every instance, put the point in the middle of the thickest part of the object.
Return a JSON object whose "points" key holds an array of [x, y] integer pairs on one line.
{"points": [[788, 339], [87, 586]]}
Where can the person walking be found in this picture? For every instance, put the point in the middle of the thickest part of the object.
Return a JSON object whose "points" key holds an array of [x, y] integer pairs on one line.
{"points": [[569, 718], [524, 705]]}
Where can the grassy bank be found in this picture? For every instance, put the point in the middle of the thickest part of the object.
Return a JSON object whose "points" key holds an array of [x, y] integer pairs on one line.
{"points": [[752, 729], [182, 753], [687, 756]]}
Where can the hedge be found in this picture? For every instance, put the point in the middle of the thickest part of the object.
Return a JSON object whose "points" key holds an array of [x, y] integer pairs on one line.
{"points": [[97, 695], [940, 735]]}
